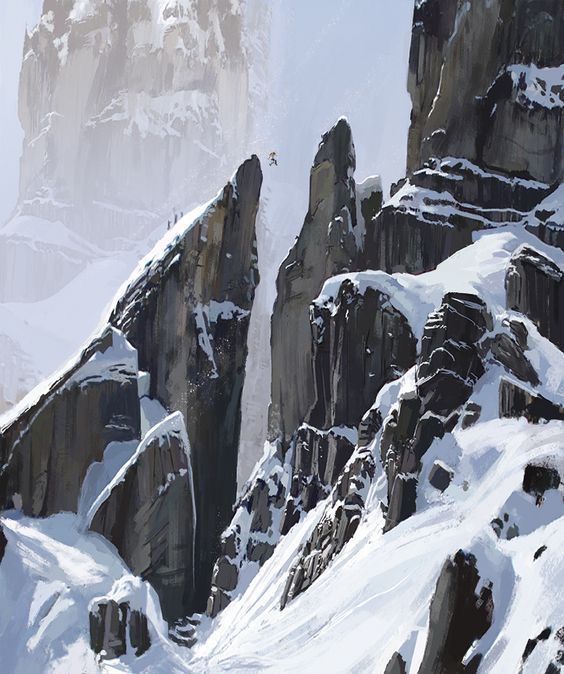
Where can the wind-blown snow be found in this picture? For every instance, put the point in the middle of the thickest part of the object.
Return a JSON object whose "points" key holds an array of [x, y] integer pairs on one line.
{"points": [[48, 577]]}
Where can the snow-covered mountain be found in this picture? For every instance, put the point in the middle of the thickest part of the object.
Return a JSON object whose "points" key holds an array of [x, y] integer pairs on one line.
{"points": [[291, 84], [406, 515]]}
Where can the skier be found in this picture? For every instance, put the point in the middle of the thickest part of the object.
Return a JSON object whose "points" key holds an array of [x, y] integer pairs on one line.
{"points": [[273, 159]]}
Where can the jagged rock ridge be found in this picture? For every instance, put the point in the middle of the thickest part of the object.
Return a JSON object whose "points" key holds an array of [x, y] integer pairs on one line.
{"points": [[176, 341]]}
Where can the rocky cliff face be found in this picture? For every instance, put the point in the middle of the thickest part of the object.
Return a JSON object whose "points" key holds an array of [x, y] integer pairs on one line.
{"points": [[485, 83], [148, 513], [312, 421], [180, 346], [535, 287], [188, 316], [163, 93], [486, 130], [326, 246]]}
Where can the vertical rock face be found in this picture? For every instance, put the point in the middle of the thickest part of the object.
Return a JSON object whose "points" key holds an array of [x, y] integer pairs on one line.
{"points": [[188, 316], [162, 92], [47, 449], [449, 365], [485, 142], [360, 342], [325, 246], [458, 616], [148, 513], [485, 83], [535, 287]]}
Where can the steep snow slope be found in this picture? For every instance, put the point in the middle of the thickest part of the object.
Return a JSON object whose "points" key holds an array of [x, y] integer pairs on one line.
{"points": [[374, 598], [50, 573]]}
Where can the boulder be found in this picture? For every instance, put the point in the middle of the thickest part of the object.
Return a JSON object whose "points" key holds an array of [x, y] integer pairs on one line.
{"points": [[538, 479], [108, 621], [516, 401], [113, 625], [440, 476]]}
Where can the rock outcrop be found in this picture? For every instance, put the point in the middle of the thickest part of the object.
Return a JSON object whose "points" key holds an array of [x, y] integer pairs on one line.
{"points": [[183, 323], [148, 513], [108, 629], [448, 366], [436, 212], [516, 401], [3, 544], [118, 622], [46, 450], [485, 84], [458, 617], [540, 478], [360, 342], [335, 528], [440, 476], [188, 314], [396, 665], [326, 246], [535, 287]]}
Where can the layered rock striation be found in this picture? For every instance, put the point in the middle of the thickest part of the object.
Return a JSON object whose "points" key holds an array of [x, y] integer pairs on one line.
{"points": [[176, 342], [188, 316], [148, 513], [47, 449]]}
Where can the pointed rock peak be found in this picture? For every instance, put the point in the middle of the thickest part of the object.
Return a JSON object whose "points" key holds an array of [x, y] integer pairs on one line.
{"points": [[249, 169], [337, 146]]}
